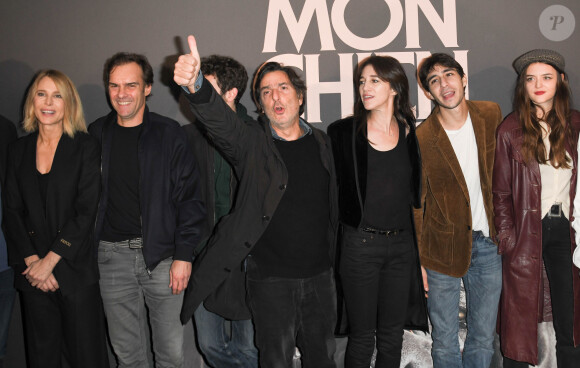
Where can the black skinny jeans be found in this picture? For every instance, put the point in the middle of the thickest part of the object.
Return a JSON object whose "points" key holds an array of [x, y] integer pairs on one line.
{"points": [[376, 273], [558, 261]]}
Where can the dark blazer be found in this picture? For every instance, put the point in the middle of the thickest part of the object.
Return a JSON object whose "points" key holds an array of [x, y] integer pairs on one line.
{"points": [[350, 156], [443, 223], [71, 204], [7, 136]]}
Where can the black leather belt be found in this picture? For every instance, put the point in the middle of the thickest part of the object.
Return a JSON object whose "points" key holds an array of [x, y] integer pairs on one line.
{"points": [[136, 243], [386, 233]]}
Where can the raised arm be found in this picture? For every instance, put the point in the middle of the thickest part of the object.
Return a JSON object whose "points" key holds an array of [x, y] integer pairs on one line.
{"points": [[228, 132]]}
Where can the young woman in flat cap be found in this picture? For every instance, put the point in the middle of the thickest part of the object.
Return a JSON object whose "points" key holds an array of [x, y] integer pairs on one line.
{"points": [[534, 184]]}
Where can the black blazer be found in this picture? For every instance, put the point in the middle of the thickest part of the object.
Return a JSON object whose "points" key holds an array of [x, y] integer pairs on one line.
{"points": [[350, 157], [71, 204], [7, 136]]}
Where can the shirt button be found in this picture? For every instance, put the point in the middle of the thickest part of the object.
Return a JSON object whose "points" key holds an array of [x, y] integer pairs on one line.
{"points": [[266, 218], [248, 245], [282, 186]]}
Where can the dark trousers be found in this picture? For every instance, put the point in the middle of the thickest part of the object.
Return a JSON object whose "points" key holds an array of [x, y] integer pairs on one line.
{"points": [[7, 294], [293, 312], [376, 273], [558, 261], [72, 325]]}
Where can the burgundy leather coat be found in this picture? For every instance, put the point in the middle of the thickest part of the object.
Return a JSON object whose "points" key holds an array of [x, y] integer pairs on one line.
{"points": [[517, 188]]}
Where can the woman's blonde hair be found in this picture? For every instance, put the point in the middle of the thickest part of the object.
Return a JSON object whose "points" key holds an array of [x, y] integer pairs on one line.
{"points": [[74, 118]]}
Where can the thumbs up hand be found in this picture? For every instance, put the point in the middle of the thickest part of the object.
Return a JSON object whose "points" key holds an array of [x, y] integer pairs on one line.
{"points": [[187, 66]]}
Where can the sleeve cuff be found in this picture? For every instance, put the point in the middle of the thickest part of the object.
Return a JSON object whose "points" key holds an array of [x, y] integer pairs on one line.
{"points": [[201, 96], [183, 254], [196, 86]]}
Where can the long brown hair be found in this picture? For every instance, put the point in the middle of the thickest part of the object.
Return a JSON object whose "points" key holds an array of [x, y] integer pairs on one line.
{"points": [[557, 119], [389, 70]]}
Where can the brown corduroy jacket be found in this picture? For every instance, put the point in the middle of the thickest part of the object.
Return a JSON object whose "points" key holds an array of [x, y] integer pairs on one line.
{"points": [[443, 223]]}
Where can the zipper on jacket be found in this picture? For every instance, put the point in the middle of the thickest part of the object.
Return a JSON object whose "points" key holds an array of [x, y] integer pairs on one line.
{"points": [[140, 204]]}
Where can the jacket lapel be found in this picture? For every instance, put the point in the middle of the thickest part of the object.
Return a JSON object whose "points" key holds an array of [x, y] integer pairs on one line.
{"points": [[479, 129], [31, 187], [360, 160]]}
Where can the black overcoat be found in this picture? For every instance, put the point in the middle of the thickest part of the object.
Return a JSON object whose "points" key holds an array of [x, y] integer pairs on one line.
{"points": [[249, 148]]}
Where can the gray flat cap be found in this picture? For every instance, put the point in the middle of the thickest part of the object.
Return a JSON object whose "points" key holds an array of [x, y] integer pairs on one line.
{"points": [[539, 56]]}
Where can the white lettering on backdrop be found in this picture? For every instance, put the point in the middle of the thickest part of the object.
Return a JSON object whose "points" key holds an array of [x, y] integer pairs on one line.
{"points": [[444, 26]]}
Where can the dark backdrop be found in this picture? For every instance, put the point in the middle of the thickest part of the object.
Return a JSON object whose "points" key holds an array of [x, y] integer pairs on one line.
{"points": [[323, 38]]}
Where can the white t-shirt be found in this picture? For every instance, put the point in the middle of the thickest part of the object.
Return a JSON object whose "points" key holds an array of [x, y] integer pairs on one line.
{"points": [[465, 147]]}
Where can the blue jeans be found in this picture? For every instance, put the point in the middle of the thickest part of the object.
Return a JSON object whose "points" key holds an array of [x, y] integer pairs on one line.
{"points": [[223, 350], [7, 294], [126, 287], [482, 290]]}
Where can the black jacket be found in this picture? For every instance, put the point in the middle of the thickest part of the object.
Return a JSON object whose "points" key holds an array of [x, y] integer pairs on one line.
{"points": [[350, 153], [172, 211], [220, 301], [250, 149], [66, 227], [7, 136], [204, 151]]}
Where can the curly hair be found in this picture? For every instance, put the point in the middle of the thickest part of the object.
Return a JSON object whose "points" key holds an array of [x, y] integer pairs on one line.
{"points": [[228, 72]]}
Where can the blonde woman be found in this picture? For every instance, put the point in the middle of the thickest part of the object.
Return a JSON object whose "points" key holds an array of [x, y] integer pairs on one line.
{"points": [[52, 191]]}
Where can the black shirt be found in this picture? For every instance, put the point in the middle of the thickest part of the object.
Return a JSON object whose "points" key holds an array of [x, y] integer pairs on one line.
{"points": [[295, 243], [123, 217], [387, 203]]}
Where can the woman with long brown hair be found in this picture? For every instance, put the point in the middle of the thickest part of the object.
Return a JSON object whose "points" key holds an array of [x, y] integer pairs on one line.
{"points": [[534, 182], [378, 166]]}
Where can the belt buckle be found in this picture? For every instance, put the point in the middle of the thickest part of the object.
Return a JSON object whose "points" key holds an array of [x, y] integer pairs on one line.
{"points": [[555, 210], [136, 243]]}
